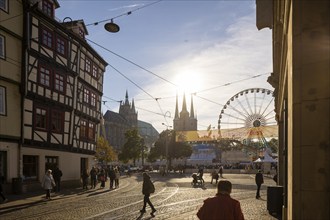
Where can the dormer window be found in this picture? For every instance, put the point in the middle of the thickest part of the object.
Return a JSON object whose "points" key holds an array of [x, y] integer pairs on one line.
{"points": [[82, 33], [48, 8]]}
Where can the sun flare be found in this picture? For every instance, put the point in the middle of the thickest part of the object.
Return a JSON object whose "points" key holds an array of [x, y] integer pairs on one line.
{"points": [[188, 81]]}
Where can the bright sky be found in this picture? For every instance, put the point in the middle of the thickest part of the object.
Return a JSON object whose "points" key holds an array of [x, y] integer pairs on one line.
{"points": [[210, 48]]}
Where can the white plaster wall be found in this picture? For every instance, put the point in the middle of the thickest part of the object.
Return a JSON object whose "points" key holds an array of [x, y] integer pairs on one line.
{"points": [[69, 163]]}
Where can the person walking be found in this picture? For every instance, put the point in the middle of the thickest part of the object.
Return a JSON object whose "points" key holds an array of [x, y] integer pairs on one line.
{"points": [[48, 183], [200, 174], [112, 177], [117, 176], [214, 175], [147, 188], [57, 174], [93, 175], [2, 181], [102, 177], [275, 178], [84, 177], [221, 171], [222, 206], [259, 178]]}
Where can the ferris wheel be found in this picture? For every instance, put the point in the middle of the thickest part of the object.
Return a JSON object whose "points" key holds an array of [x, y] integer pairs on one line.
{"points": [[249, 117]]}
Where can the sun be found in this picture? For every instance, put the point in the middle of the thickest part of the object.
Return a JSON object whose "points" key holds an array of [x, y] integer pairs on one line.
{"points": [[188, 81]]}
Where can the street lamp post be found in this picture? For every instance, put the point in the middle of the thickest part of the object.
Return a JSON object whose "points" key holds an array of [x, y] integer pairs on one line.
{"points": [[166, 145], [145, 141], [142, 152]]}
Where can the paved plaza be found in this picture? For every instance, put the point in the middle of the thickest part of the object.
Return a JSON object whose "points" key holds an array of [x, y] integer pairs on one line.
{"points": [[175, 198]]}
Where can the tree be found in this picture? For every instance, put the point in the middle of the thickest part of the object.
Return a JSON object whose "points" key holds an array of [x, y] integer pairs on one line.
{"points": [[273, 145], [104, 152], [174, 150], [133, 147], [153, 154]]}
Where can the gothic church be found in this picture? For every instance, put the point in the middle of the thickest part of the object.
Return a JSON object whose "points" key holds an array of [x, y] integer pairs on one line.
{"points": [[185, 121]]}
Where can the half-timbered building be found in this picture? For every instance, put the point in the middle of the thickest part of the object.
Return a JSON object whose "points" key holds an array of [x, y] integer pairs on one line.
{"points": [[61, 90]]}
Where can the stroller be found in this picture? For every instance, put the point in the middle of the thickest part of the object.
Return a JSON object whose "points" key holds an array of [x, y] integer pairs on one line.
{"points": [[197, 180]]}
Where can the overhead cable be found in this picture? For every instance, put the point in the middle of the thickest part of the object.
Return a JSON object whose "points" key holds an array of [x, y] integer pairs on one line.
{"points": [[126, 13], [215, 87], [132, 81], [135, 64], [228, 84], [152, 112]]}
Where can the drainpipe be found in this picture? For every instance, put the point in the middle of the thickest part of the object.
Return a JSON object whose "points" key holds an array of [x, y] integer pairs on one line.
{"points": [[23, 89]]}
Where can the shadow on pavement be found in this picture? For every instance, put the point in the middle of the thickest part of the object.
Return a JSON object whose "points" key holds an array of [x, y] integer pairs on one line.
{"points": [[17, 207]]}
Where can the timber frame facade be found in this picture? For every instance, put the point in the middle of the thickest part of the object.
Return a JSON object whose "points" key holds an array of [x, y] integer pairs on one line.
{"points": [[61, 89]]}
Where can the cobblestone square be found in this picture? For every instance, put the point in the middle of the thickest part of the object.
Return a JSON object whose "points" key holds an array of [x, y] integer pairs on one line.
{"points": [[175, 198]]}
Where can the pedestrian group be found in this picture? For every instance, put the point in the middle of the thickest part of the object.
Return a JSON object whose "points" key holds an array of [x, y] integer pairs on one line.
{"points": [[219, 207]]}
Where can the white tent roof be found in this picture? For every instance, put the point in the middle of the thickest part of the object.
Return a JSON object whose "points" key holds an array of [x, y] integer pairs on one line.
{"points": [[267, 159], [259, 160]]}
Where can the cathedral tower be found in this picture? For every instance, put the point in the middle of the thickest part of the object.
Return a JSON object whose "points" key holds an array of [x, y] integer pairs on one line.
{"points": [[185, 121], [127, 111]]}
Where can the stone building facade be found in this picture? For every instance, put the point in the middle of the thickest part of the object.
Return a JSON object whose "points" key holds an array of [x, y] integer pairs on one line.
{"points": [[301, 79], [116, 124]]}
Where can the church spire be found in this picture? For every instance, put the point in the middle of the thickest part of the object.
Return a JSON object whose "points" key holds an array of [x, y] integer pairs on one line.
{"points": [[192, 115], [184, 113], [176, 107], [184, 105], [133, 105], [126, 98]]}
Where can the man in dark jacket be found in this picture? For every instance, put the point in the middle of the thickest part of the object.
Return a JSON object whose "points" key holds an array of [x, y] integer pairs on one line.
{"points": [[57, 174], [222, 206], [112, 177], [147, 188], [259, 180], [2, 180], [93, 175]]}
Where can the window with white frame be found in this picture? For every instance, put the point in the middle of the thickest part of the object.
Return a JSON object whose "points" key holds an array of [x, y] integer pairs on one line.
{"points": [[93, 99], [90, 97], [87, 130], [88, 65], [48, 77], [2, 46], [95, 71], [86, 95], [59, 82], [48, 119], [44, 76], [41, 118], [91, 130], [2, 100], [4, 5], [83, 129]]}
